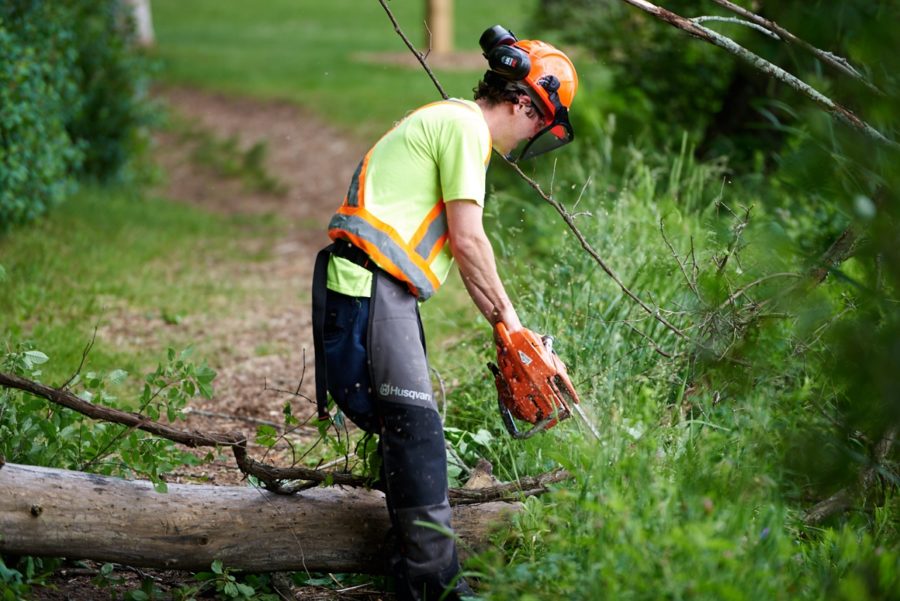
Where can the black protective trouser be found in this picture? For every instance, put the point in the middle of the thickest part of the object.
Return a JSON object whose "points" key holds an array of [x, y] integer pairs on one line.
{"points": [[377, 372]]}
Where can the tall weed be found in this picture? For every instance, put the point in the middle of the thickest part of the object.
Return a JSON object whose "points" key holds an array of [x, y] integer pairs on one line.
{"points": [[690, 493]]}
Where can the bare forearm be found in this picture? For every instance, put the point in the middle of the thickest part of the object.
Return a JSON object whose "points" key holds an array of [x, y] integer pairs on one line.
{"points": [[475, 256], [479, 273]]}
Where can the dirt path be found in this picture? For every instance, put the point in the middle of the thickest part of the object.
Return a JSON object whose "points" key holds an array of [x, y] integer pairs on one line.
{"points": [[261, 343], [258, 344]]}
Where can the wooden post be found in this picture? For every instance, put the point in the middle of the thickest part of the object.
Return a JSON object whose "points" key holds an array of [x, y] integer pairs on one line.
{"points": [[439, 21], [143, 22]]}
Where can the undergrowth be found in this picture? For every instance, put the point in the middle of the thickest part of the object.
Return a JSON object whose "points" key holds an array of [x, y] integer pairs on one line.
{"points": [[699, 486]]}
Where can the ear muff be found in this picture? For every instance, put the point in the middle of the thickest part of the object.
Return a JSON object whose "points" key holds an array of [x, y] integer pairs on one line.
{"points": [[506, 60]]}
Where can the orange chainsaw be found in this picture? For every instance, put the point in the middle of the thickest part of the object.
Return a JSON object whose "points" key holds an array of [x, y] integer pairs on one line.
{"points": [[532, 383]]}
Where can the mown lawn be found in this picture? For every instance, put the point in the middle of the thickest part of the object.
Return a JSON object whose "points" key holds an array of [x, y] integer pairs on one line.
{"points": [[108, 254], [314, 53]]}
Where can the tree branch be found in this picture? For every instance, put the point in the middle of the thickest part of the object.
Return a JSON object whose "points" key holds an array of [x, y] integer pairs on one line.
{"points": [[839, 63], [271, 476], [412, 49], [736, 21], [707, 35]]}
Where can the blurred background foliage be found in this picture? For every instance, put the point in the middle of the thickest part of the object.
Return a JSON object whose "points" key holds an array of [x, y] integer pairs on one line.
{"points": [[765, 230], [74, 107]]}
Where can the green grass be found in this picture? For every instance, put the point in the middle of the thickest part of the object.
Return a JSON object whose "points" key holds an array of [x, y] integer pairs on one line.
{"points": [[107, 254], [309, 52]]}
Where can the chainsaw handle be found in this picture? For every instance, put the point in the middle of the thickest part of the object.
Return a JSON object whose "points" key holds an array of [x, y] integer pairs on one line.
{"points": [[501, 334]]}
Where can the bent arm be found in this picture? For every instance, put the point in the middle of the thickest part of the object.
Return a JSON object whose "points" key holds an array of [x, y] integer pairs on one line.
{"points": [[475, 257]]}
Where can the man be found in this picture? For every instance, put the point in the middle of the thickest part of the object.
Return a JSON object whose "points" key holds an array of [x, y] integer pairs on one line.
{"points": [[415, 205]]}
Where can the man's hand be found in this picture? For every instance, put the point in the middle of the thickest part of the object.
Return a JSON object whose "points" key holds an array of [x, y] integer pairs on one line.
{"points": [[475, 257]]}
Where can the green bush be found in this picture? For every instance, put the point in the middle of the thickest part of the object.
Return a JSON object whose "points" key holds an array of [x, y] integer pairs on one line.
{"points": [[70, 90], [38, 95]]}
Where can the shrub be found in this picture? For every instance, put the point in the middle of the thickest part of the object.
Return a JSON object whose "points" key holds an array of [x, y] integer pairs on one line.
{"points": [[69, 88], [37, 93]]}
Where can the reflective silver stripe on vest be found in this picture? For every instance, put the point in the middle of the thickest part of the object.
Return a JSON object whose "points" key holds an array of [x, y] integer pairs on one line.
{"points": [[396, 254], [436, 229], [353, 192]]}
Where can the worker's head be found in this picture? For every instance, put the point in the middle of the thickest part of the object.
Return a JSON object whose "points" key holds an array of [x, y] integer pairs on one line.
{"points": [[536, 76]]}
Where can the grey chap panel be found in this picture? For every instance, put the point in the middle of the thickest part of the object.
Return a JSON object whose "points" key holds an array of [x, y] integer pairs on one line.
{"points": [[397, 364]]}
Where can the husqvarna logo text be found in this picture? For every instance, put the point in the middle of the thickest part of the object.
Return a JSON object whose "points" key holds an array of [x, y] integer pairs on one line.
{"points": [[387, 390]]}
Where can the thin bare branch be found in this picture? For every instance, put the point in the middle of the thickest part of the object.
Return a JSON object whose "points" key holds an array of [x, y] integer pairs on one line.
{"points": [[735, 239], [652, 342], [412, 48], [227, 416], [736, 21], [690, 281], [84, 355], [743, 289]]}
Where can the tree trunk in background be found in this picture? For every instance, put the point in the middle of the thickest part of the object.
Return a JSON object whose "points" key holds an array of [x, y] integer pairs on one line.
{"points": [[60, 513], [143, 22], [439, 20]]}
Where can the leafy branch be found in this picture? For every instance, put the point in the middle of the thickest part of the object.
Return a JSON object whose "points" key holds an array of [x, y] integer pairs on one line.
{"points": [[271, 476]]}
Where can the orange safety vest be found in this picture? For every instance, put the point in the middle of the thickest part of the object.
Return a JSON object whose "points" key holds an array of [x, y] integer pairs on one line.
{"points": [[407, 260]]}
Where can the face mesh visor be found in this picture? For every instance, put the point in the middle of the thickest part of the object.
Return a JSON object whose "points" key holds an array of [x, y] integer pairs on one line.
{"points": [[558, 133]]}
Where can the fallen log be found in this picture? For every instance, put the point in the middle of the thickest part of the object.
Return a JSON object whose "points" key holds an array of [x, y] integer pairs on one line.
{"points": [[60, 513]]}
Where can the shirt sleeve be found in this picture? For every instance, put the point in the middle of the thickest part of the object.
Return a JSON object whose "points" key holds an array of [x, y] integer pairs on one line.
{"points": [[463, 151]]}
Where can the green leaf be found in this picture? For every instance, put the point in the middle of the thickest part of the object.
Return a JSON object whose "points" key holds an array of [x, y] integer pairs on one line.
{"points": [[117, 376], [217, 566], [483, 437], [35, 358], [230, 589], [205, 374], [246, 590], [266, 436], [2, 274]]}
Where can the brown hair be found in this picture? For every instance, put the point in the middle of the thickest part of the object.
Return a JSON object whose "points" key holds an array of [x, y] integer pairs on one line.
{"points": [[494, 89]]}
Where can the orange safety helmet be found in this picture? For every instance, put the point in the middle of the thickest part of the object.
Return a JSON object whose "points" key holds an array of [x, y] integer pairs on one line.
{"points": [[548, 61], [549, 78]]}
